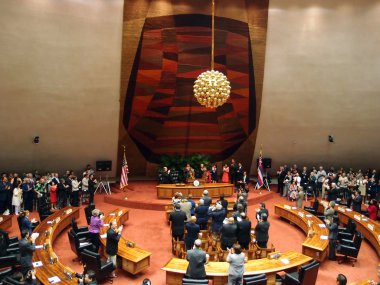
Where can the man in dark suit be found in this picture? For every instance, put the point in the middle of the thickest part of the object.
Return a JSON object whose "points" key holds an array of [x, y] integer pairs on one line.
{"points": [[357, 202], [207, 200], [217, 214], [244, 231], [233, 168], [113, 237], [178, 218], [333, 236], [228, 234], [197, 259], [27, 247], [165, 176], [239, 172], [202, 214], [192, 232], [261, 231], [332, 193]]}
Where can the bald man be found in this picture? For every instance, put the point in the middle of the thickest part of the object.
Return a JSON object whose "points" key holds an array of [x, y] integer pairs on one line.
{"points": [[197, 259], [192, 232]]}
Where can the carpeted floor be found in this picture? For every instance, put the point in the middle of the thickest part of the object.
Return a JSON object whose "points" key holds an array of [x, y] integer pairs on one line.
{"points": [[150, 231]]}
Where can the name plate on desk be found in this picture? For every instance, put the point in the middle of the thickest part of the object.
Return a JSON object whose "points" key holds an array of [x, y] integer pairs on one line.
{"points": [[322, 225], [309, 215], [302, 215], [348, 210], [378, 237], [294, 208], [112, 214], [120, 213], [324, 237], [287, 207], [341, 209], [69, 211], [370, 226], [357, 217]]}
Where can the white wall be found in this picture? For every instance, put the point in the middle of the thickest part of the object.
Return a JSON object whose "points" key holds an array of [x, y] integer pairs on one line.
{"points": [[322, 76], [59, 79]]}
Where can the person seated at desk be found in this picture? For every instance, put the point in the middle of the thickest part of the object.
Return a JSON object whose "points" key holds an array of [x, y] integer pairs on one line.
{"points": [[197, 259]]}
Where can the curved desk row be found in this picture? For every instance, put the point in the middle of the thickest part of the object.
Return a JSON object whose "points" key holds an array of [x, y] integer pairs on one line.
{"points": [[133, 259], [316, 244], [218, 271], [370, 229], [214, 190], [48, 231]]}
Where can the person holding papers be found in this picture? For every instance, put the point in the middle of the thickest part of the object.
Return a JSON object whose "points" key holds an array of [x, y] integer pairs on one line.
{"points": [[113, 237], [27, 247], [333, 236]]}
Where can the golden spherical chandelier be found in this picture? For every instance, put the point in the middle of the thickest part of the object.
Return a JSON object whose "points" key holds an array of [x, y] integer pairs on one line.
{"points": [[212, 88]]}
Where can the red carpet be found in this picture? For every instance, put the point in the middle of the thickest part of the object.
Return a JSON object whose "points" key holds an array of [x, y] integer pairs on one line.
{"points": [[150, 231]]}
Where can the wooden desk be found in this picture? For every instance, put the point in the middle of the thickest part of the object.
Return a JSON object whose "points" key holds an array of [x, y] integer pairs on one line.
{"points": [[370, 229], [214, 190], [314, 246], [133, 259], [49, 232], [218, 271], [6, 222]]}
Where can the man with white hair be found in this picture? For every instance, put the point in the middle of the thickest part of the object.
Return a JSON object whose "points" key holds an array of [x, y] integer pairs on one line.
{"points": [[192, 232], [202, 214], [228, 234], [207, 200], [217, 214], [197, 259]]}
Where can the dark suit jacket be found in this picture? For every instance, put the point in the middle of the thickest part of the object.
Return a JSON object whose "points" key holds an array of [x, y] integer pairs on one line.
{"points": [[196, 267], [26, 252], [192, 233], [332, 194], [26, 225], [201, 213], [357, 204], [217, 219], [178, 219], [261, 212], [261, 231], [207, 200], [112, 242], [229, 234], [244, 231]]}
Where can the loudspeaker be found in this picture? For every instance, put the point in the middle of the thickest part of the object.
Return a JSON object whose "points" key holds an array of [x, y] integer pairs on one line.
{"points": [[267, 162], [104, 165]]}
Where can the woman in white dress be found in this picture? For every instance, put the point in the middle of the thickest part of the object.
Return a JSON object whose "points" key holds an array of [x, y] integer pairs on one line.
{"points": [[17, 197]]}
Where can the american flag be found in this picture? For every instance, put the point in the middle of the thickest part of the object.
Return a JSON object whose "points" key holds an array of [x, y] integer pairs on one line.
{"points": [[260, 172], [124, 173]]}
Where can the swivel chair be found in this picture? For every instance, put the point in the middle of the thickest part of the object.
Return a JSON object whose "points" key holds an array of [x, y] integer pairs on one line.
{"points": [[306, 275]]}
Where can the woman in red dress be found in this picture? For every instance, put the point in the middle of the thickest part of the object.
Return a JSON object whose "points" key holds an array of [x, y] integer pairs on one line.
{"points": [[226, 174], [53, 195]]}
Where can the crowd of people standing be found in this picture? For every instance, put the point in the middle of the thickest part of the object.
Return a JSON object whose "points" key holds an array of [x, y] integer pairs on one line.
{"points": [[32, 191]]}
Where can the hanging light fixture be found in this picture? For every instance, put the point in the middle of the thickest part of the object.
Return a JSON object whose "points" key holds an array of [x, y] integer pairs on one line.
{"points": [[212, 89]]}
